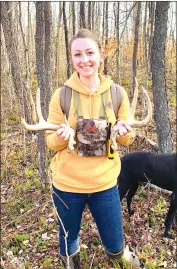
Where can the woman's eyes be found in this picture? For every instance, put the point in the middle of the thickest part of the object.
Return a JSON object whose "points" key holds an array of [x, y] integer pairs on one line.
{"points": [[88, 53], [77, 55]]}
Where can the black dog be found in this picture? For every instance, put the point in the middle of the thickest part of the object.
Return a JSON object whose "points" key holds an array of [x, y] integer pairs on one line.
{"points": [[158, 169]]}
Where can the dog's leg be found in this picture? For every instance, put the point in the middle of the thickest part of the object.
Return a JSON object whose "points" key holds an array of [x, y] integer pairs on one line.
{"points": [[123, 187], [130, 195], [171, 214]]}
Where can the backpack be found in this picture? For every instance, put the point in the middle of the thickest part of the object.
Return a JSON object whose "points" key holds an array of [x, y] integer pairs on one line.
{"points": [[66, 93]]}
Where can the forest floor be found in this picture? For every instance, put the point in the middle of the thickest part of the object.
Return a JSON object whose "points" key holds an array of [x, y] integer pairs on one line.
{"points": [[29, 227]]}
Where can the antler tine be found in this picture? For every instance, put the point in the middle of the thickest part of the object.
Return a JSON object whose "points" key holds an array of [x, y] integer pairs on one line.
{"points": [[44, 125], [39, 126], [131, 122], [71, 141], [135, 123]]}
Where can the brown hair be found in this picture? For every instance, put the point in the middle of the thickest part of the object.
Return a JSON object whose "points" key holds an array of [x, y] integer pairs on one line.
{"points": [[85, 33]]}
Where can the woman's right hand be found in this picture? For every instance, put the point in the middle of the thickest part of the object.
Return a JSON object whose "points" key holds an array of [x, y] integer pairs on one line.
{"points": [[64, 132]]}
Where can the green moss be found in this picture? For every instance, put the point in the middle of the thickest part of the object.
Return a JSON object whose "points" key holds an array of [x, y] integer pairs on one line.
{"points": [[15, 249], [42, 222], [29, 173], [149, 265], [42, 244], [27, 186], [160, 206], [173, 100], [26, 266], [19, 238], [6, 242], [47, 263], [12, 119], [83, 254], [36, 183]]}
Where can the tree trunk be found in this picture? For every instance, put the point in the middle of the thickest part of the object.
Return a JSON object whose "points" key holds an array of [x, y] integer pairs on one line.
{"points": [[118, 45], [29, 54], [82, 15], [151, 32], [89, 14], [6, 77], [47, 53], [73, 18], [24, 42], [145, 34], [66, 42], [27, 67], [40, 66], [103, 21], [158, 78], [13, 55], [31, 43], [98, 17], [135, 49], [57, 47], [93, 14], [106, 40], [146, 58]]}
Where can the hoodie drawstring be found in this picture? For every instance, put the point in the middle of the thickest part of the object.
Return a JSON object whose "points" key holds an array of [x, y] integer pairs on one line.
{"points": [[92, 105]]}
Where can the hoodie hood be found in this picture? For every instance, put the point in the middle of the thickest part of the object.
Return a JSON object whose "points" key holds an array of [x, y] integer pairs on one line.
{"points": [[76, 84]]}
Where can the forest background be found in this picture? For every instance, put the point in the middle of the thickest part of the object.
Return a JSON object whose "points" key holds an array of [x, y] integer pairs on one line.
{"points": [[139, 39]]}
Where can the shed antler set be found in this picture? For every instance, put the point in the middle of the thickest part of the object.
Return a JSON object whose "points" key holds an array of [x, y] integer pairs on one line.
{"points": [[44, 125]]}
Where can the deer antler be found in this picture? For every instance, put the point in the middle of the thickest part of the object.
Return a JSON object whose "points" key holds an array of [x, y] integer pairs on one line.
{"points": [[134, 123], [44, 125], [131, 122]]}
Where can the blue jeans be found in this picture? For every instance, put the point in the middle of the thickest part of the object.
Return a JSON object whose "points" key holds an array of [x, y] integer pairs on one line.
{"points": [[105, 209]]}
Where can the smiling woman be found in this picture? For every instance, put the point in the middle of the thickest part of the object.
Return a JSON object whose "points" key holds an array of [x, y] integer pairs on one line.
{"points": [[86, 175], [86, 57]]}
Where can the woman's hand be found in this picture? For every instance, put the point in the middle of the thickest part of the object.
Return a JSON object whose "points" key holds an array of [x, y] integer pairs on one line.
{"points": [[121, 127], [64, 132]]}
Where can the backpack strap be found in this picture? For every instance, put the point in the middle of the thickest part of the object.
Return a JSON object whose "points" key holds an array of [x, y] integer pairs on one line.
{"points": [[65, 99], [116, 96], [66, 93]]}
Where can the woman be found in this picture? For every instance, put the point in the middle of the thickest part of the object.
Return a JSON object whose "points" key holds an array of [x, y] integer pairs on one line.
{"points": [[86, 175]]}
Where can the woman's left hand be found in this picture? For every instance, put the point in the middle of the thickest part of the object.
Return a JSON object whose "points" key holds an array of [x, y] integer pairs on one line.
{"points": [[121, 127]]}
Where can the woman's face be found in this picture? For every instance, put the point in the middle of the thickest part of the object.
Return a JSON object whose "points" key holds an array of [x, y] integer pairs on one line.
{"points": [[86, 56]]}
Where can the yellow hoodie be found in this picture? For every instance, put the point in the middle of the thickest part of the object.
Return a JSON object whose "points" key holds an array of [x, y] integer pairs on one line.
{"points": [[73, 173]]}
